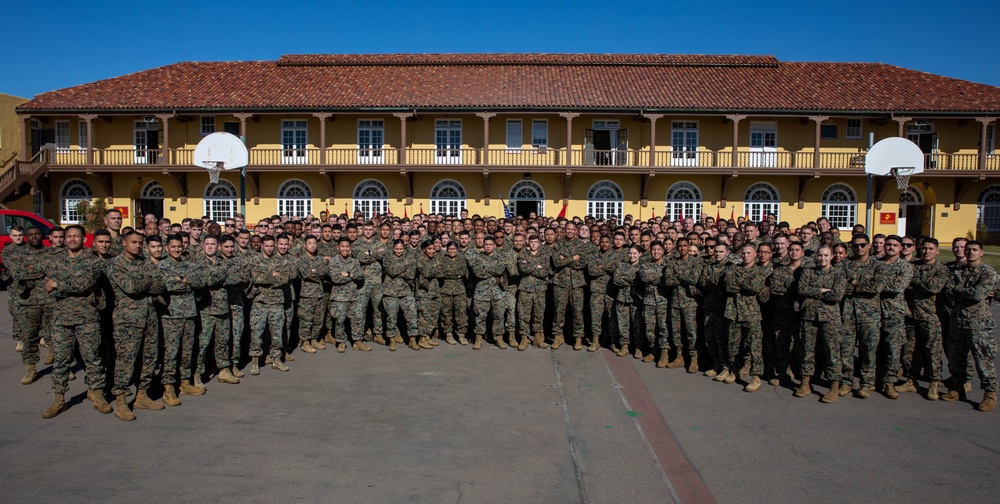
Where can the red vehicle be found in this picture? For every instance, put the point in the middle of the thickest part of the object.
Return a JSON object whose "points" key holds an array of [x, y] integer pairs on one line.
{"points": [[27, 220]]}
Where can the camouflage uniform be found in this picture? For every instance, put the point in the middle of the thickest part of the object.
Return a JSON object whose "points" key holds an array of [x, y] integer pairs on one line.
{"points": [[370, 254], [33, 313], [786, 325], [711, 284], [924, 303], [972, 324], [213, 311], [428, 294], [683, 276], [267, 309], [655, 304], [236, 288], [9, 252], [75, 320], [820, 312], [289, 263], [599, 268], [180, 278], [628, 300], [896, 276], [345, 297], [508, 304], [535, 270], [135, 281], [953, 266], [490, 270], [454, 301], [397, 294], [568, 282], [862, 318], [742, 286], [312, 306]]}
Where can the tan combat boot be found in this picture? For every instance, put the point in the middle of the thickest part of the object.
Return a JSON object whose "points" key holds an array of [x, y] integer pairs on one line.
{"points": [[226, 376], [399, 338], [863, 392], [753, 386], [341, 346], [907, 386], [380, 340], [329, 337], [558, 342], [196, 383], [236, 371], [187, 389], [833, 394], [100, 404], [57, 407], [522, 345], [677, 362], [276, 364], [362, 347], [889, 391], [413, 344], [989, 402], [430, 339], [932, 391], [650, 357], [424, 343], [462, 341], [623, 351], [500, 344], [450, 340], [307, 348], [317, 344], [595, 345], [637, 354], [170, 396], [254, 366], [121, 409], [845, 388], [288, 357], [29, 375], [478, 343], [540, 341], [804, 388], [578, 344], [730, 378], [693, 366], [664, 360], [512, 339], [142, 401], [722, 375], [392, 345]]}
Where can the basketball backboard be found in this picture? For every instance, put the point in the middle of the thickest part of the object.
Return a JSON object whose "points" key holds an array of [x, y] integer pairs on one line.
{"points": [[894, 153], [221, 147]]}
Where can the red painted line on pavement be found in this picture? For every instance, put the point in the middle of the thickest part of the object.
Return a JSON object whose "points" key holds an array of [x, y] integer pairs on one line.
{"points": [[686, 482]]}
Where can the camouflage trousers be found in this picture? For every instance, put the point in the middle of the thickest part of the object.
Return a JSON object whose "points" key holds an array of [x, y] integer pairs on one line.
{"points": [[218, 328], [946, 342], [893, 334], [311, 313], [684, 326], [927, 350], [64, 341], [508, 308], [428, 314], [866, 333], [130, 341], [238, 328], [832, 336], [983, 345], [561, 297], [716, 337], [178, 338], [290, 326], [483, 308], [340, 311], [31, 324], [454, 314], [601, 306], [531, 311], [805, 349], [393, 305], [263, 317], [778, 345], [625, 315], [654, 314], [749, 333], [371, 298]]}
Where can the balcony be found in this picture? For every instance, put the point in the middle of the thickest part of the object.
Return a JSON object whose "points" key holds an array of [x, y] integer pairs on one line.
{"points": [[431, 159]]}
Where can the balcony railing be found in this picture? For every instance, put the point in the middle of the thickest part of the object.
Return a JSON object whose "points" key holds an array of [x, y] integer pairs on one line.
{"points": [[540, 157]]}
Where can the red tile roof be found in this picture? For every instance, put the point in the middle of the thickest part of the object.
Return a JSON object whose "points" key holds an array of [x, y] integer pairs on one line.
{"points": [[527, 81]]}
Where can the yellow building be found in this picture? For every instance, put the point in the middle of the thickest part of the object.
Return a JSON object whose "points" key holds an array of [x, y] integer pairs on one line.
{"points": [[10, 137], [663, 135]]}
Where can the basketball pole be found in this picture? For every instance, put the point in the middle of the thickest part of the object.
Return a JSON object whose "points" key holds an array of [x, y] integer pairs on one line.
{"points": [[243, 184], [868, 191]]}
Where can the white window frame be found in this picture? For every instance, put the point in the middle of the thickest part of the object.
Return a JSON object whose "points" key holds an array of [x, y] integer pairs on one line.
{"points": [[371, 141], [526, 185], [152, 191], [294, 141], [295, 198], [603, 206], [855, 131], [540, 134], [988, 208], [515, 135], [72, 193], [448, 197], [678, 207], [81, 135], [842, 213], [758, 209], [62, 135], [371, 197], [684, 138], [141, 142], [38, 202], [448, 141], [763, 144], [220, 201], [207, 125]]}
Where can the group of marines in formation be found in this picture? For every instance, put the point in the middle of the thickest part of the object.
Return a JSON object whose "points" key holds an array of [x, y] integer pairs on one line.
{"points": [[742, 301]]}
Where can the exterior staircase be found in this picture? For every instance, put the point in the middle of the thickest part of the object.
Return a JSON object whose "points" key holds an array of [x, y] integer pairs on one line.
{"points": [[19, 172]]}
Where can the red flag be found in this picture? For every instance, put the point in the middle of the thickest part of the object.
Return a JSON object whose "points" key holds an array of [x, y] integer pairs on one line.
{"points": [[652, 211], [562, 213], [421, 208], [731, 213], [404, 212], [682, 212], [346, 212], [717, 216]]}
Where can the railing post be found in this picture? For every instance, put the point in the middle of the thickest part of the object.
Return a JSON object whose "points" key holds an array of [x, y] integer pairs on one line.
{"points": [[402, 136], [652, 138], [736, 137], [322, 135], [166, 137], [90, 136], [569, 136], [485, 116], [819, 133]]}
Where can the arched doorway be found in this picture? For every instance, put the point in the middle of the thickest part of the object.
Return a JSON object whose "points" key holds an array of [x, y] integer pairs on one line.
{"points": [[151, 201], [526, 197], [911, 213]]}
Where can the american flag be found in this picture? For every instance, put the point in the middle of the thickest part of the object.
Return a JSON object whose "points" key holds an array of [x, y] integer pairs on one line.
{"points": [[506, 209]]}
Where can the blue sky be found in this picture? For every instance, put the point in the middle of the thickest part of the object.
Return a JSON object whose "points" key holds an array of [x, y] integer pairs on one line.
{"points": [[59, 44]]}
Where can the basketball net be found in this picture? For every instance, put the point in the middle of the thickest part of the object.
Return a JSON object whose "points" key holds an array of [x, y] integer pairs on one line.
{"points": [[214, 170], [902, 177]]}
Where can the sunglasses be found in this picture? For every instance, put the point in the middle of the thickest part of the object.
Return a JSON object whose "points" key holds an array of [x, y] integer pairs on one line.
{"points": [[859, 244], [908, 244]]}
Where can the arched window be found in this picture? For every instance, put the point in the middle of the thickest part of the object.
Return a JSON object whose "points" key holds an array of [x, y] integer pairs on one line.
{"points": [[371, 198], [220, 201], [295, 199], [605, 199], [760, 200], [683, 201], [447, 198], [911, 196], [988, 211], [840, 206], [153, 191], [530, 194], [72, 194]]}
